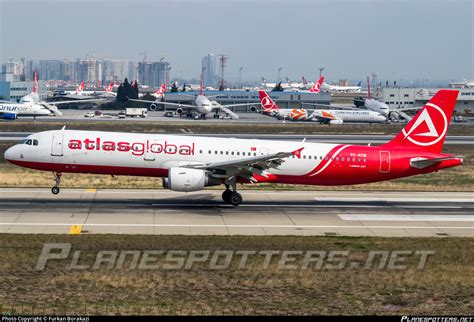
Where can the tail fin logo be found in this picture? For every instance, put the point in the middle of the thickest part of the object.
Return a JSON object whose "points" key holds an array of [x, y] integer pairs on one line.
{"points": [[267, 103], [425, 130], [317, 86]]}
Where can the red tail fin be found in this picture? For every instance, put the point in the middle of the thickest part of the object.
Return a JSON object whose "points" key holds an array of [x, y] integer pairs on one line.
{"points": [[427, 130], [80, 88], [109, 87], [35, 86], [267, 103], [317, 86], [161, 91]]}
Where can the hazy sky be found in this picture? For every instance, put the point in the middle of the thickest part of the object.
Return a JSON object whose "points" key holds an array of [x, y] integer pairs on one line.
{"points": [[414, 39]]}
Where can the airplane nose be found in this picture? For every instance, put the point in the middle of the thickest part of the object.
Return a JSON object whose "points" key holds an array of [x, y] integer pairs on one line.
{"points": [[8, 155]]}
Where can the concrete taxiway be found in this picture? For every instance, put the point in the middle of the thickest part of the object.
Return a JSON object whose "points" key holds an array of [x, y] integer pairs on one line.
{"points": [[262, 213]]}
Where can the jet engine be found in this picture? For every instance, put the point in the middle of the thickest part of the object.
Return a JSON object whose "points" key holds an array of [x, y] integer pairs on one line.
{"points": [[183, 179], [336, 122], [179, 111], [254, 109], [152, 107]]}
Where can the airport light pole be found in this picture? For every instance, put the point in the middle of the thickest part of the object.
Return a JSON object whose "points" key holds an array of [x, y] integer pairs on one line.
{"points": [[320, 71], [279, 71]]}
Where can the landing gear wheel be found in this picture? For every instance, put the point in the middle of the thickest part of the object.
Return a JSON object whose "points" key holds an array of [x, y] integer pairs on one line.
{"points": [[226, 195], [57, 177], [235, 198]]}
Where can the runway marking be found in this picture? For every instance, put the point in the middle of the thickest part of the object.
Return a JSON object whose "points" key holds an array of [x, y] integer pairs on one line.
{"points": [[383, 217], [75, 230], [298, 206], [418, 199], [234, 226]]}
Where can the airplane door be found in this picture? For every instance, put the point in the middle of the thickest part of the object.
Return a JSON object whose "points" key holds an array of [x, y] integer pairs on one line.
{"points": [[384, 161], [57, 145], [149, 155]]}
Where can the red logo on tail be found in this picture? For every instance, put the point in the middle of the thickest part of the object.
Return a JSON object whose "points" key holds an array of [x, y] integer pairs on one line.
{"points": [[267, 103], [317, 86]]}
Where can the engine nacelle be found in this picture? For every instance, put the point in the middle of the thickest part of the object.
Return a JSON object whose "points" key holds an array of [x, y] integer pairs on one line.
{"points": [[9, 116], [179, 111], [182, 179], [254, 109], [152, 107], [336, 122]]}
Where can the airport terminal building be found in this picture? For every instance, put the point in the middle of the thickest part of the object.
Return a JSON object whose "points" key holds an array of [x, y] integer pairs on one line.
{"points": [[13, 91], [282, 99], [397, 97]]}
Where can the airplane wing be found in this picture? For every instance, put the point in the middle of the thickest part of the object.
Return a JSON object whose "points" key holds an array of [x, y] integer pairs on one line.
{"points": [[324, 116], [342, 107], [77, 101], [246, 167], [163, 103]]}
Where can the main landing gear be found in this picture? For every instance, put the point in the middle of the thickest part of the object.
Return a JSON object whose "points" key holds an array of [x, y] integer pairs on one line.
{"points": [[55, 190], [231, 196]]}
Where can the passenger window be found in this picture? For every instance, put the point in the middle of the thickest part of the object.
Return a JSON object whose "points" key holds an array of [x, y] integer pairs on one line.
{"points": [[226, 152], [35, 142]]}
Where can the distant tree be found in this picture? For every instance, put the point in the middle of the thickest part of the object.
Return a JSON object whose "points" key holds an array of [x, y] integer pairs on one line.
{"points": [[184, 87], [278, 88], [121, 92], [174, 88], [221, 87]]}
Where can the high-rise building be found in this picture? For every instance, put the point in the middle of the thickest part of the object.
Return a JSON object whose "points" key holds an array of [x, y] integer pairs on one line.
{"points": [[153, 74], [209, 66]]}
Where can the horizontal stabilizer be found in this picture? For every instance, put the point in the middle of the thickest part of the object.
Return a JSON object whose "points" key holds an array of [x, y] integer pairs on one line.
{"points": [[421, 163]]}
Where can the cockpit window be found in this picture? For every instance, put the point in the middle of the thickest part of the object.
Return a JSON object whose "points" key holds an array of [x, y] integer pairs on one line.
{"points": [[28, 142], [35, 142]]}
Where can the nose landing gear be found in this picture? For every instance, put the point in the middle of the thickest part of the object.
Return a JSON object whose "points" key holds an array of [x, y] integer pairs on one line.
{"points": [[55, 190]]}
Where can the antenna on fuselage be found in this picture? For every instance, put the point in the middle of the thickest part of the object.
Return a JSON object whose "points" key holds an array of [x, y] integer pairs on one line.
{"points": [[63, 128], [304, 140]]}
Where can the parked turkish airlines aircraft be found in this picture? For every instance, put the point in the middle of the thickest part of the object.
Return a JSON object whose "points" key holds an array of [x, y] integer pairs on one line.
{"points": [[191, 163], [202, 106], [159, 95], [341, 89], [330, 116]]}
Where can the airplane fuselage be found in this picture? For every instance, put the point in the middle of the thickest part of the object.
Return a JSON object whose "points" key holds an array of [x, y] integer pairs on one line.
{"points": [[154, 155]]}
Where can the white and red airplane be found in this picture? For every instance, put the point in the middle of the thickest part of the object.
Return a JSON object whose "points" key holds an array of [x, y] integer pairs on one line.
{"points": [[331, 116], [191, 163], [159, 94]]}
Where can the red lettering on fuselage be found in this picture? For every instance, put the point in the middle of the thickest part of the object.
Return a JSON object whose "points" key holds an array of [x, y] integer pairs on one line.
{"points": [[137, 148]]}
